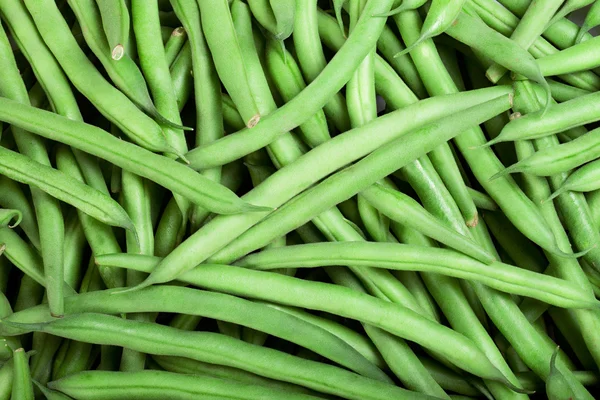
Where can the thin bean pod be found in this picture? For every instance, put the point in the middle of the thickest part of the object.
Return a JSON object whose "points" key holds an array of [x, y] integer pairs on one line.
{"points": [[580, 57], [306, 104], [115, 21], [10, 218], [156, 168], [568, 7], [161, 384], [584, 179], [175, 43], [220, 349], [592, 19], [221, 307], [11, 196], [22, 387], [299, 293], [406, 257]]}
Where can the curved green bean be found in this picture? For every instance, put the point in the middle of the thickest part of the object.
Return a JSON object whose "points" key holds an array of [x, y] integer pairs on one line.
{"points": [[584, 179], [11, 196], [404, 6], [333, 77], [568, 7], [10, 218], [312, 295], [220, 349], [161, 385], [221, 307], [591, 20], [61, 186], [557, 387], [162, 170], [500, 276]]}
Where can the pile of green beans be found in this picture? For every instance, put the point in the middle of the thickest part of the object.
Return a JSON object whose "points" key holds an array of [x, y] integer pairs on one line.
{"points": [[299, 199]]}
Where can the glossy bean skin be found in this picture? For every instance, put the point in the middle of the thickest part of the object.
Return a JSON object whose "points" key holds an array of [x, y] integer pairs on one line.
{"points": [[62, 187], [221, 307], [278, 188], [568, 7], [313, 98], [22, 255], [109, 101], [10, 218], [584, 179], [159, 169], [482, 162], [220, 349], [398, 256], [562, 92], [161, 384], [115, 21], [175, 43], [219, 32], [346, 183], [580, 57], [312, 61], [220, 278]]}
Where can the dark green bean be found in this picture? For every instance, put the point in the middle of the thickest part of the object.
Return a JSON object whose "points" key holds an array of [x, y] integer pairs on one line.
{"points": [[22, 387]]}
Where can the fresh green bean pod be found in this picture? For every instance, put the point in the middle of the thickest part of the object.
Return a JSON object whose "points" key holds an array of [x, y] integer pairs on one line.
{"points": [[592, 19], [306, 104], [355, 304], [220, 349], [390, 202], [108, 100], [405, 5], [580, 57], [115, 21], [11, 196], [309, 53], [446, 262], [280, 186], [562, 158], [50, 394], [531, 26], [221, 38], [156, 168], [584, 179], [221, 307], [482, 162], [22, 387], [10, 218], [175, 43], [6, 380], [568, 7], [183, 365], [562, 92], [162, 384], [356, 178], [63, 187]]}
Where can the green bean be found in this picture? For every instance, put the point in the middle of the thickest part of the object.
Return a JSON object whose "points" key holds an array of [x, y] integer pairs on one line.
{"points": [[30, 294], [100, 236], [568, 7], [124, 72], [482, 200], [580, 57], [63, 187], [562, 158], [562, 92], [521, 250], [72, 357], [41, 362], [489, 43], [390, 202], [161, 384], [286, 290], [175, 43], [389, 45], [6, 380], [584, 179], [221, 39], [22, 387], [405, 257], [75, 245], [404, 6], [22, 255], [356, 178], [188, 366], [448, 379], [33, 149], [287, 77], [483, 163], [115, 21], [591, 20], [10, 218], [531, 26], [220, 349], [557, 387], [11, 196], [279, 187], [50, 394], [312, 61], [109, 101], [159, 169], [224, 308], [306, 104]]}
